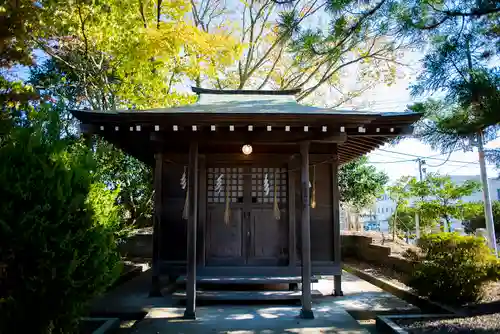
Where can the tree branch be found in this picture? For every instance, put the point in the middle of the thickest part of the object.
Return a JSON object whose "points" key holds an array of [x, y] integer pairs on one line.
{"points": [[82, 21], [141, 10], [158, 14], [271, 70]]}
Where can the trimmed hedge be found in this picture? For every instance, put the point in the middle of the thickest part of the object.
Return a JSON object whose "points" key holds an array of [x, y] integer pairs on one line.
{"points": [[452, 268], [57, 244]]}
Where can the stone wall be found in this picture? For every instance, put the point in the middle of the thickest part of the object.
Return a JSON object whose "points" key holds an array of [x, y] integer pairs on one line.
{"points": [[361, 248], [139, 245]]}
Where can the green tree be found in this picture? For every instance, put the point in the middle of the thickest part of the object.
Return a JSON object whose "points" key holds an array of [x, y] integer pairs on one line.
{"points": [[360, 183], [444, 197], [111, 54], [58, 225], [403, 219], [399, 193], [132, 53], [423, 19], [436, 198], [460, 65], [474, 216]]}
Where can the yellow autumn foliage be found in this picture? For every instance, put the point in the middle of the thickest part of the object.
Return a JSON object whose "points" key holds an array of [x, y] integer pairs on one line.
{"points": [[146, 54]]}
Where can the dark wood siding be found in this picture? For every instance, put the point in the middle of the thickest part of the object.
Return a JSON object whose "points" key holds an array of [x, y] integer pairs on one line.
{"points": [[173, 230], [321, 215], [224, 241]]}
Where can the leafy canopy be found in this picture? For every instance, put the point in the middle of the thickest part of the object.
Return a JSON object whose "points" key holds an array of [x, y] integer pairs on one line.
{"points": [[463, 40], [315, 45], [436, 198], [360, 183], [474, 216], [132, 53]]}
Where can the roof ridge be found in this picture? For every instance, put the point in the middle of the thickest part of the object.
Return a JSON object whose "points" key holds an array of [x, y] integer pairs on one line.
{"points": [[199, 90]]}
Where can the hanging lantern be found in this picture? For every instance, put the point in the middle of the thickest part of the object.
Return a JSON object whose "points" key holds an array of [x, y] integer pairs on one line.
{"points": [[247, 149]]}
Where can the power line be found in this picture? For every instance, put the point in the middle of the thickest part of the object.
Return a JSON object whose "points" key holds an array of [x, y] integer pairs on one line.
{"points": [[390, 162], [421, 157], [441, 164], [453, 171]]}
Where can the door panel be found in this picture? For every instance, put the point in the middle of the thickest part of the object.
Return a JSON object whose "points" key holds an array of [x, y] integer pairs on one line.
{"points": [[268, 243], [224, 241], [268, 238], [254, 235]]}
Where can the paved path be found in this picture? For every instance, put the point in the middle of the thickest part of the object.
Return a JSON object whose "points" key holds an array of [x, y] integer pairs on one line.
{"points": [[248, 319], [332, 314]]}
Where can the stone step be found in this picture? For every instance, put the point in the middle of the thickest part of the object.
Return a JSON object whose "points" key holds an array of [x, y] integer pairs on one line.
{"points": [[245, 295], [247, 279]]}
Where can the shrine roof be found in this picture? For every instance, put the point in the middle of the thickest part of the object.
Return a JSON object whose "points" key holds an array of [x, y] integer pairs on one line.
{"points": [[220, 119], [246, 102]]}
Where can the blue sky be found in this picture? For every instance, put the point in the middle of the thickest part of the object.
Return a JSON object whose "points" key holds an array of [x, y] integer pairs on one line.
{"points": [[395, 99]]}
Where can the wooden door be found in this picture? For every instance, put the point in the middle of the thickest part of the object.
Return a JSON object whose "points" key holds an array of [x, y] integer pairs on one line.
{"points": [[268, 223], [224, 230], [250, 232]]}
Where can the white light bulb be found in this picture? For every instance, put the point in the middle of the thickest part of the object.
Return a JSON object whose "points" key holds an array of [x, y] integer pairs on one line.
{"points": [[246, 149]]}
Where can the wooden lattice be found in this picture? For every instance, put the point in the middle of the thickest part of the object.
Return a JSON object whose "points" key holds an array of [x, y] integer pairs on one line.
{"points": [[232, 185]]}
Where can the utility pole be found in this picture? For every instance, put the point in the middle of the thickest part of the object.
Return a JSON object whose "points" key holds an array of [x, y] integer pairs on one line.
{"points": [[488, 213], [417, 217]]}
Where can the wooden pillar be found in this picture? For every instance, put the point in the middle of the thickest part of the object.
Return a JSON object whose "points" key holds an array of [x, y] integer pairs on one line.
{"points": [[292, 246], [337, 279], [202, 206], [157, 183], [306, 311], [292, 240], [190, 312]]}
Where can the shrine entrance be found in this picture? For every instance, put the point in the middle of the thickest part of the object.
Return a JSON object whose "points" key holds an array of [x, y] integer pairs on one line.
{"points": [[247, 221]]}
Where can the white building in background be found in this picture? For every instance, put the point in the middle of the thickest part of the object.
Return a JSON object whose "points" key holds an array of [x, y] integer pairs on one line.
{"points": [[384, 206]]}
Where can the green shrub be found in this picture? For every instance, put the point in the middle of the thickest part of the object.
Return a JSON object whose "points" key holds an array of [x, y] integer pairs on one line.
{"points": [[452, 268], [57, 244]]}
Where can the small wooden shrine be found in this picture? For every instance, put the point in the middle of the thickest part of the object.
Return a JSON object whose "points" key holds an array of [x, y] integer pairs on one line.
{"points": [[246, 182]]}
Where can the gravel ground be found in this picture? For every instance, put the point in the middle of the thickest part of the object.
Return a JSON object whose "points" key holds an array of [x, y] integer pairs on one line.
{"points": [[484, 324], [491, 292], [383, 273]]}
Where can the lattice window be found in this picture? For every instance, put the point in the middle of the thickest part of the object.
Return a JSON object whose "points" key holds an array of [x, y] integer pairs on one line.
{"points": [[258, 188], [232, 183]]}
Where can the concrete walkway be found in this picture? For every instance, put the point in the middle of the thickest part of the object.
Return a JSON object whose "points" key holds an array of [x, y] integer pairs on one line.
{"points": [[332, 314], [248, 319]]}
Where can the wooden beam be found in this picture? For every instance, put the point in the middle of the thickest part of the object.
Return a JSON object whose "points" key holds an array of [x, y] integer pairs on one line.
{"points": [[350, 148], [200, 90], [347, 153], [337, 281], [292, 238], [88, 128], [202, 223], [376, 140], [259, 136], [157, 182], [190, 312], [364, 146], [306, 311]]}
